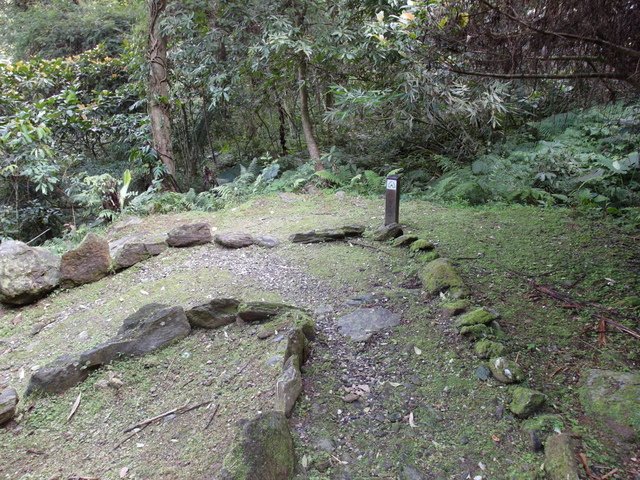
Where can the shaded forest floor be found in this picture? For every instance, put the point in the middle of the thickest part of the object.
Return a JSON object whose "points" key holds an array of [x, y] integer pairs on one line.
{"points": [[420, 370]]}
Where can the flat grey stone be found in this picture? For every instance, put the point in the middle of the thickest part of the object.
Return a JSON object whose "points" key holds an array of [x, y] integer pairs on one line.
{"points": [[189, 235], [266, 241], [364, 322], [8, 403], [483, 373], [130, 250], [288, 387], [234, 240], [152, 327]]}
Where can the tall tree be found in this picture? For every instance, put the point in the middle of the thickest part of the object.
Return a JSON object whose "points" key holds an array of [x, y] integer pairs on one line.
{"points": [[159, 107]]}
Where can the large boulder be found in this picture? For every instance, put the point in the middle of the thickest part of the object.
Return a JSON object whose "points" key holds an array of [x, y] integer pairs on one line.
{"points": [[613, 400], [440, 276], [152, 327], [263, 449], [8, 404], [328, 234], [266, 241], [128, 251], [88, 263], [26, 273], [189, 235], [361, 324], [214, 314]]}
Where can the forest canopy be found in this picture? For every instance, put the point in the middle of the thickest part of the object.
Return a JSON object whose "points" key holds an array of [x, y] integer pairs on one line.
{"points": [[170, 105]]}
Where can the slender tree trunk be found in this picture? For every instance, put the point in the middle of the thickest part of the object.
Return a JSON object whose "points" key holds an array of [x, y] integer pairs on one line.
{"points": [[159, 93], [283, 128], [307, 125]]}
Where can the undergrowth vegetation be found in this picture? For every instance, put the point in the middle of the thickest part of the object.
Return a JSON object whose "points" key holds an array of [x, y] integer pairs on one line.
{"points": [[583, 159], [587, 158], [315, 95]]}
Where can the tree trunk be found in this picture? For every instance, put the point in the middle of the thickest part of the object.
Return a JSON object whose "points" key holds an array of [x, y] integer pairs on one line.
{"points": [[307, 126], [159, 94], [283, 128]]}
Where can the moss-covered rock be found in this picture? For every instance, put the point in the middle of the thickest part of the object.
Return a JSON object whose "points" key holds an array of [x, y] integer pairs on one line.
{"points": [[455, 308], [613, 399], [297, 345], [559, 458], [505, 371], [214, 314], [488, 349], [263, 449], [526, 401], [405, 240], [544, 424], [429, 256], [481, 316], [440, 276], [422, 245], [476, 331], [303, 322]]}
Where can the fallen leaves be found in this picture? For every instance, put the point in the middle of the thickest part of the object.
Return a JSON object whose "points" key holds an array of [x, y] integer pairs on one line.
{"points": [[75, 406]]}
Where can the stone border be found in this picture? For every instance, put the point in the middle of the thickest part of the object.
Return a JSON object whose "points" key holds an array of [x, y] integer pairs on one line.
{"points": [[481, 325], [95, 257]]}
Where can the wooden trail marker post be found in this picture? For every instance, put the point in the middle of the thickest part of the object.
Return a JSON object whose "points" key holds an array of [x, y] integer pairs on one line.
{"points": [[392, 204]]}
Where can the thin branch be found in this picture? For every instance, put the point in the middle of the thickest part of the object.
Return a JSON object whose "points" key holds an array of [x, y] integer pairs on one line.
{"points": [[540, 76], [569, 36]]}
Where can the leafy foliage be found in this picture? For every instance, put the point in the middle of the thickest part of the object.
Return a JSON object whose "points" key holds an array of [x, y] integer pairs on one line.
{"points": [[61, 28], [62, 140], [588, 158]]}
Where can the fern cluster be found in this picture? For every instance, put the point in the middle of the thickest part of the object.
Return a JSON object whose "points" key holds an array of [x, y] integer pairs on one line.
{"points": [[585, 158]]}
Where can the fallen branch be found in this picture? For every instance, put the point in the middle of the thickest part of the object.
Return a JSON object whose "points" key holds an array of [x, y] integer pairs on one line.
{"points": [[136, 432], [569, 302], [610, 474], [620, 327], [138, 427], [213, 415], [364, 245], [178, 411], [148, 421], [236, 373]]}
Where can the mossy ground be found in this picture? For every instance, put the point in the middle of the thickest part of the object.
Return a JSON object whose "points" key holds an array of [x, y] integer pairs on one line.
{"points": [[497, 251]]}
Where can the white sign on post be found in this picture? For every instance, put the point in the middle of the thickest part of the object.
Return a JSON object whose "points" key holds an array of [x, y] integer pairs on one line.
{"points": [[392, 184]]}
